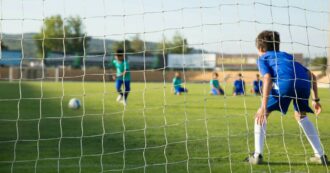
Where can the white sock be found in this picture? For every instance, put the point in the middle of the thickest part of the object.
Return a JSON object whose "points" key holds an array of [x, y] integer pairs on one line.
{"points": [[259, 137], [312, 136]]}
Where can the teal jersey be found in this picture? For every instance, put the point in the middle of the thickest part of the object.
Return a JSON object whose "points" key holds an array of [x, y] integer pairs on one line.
{"points": [[120, 68], [177, 82], [215, 83]]}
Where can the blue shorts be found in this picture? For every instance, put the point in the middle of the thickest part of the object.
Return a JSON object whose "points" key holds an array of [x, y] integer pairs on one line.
{"points": [[257, 91], [127, 85], [179, 90], [215, 91], [282, 103], [239, 92]]}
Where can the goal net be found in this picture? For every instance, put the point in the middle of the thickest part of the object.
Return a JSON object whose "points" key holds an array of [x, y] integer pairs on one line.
{"points": [[170, 120]]}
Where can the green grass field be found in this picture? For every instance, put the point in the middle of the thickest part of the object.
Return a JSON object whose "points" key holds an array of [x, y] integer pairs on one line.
{"points": [[158, 132]]}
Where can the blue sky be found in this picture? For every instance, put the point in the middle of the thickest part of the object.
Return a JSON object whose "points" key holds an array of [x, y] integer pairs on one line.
{"points": [[217, 26]]}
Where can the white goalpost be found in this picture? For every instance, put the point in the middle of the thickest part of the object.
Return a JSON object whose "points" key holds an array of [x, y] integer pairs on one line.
{"points": [[167, 119]]}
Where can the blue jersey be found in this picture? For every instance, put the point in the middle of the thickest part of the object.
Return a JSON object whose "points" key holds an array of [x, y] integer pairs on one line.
{"points": [[257, 84], [239, 85], [287, 75]]}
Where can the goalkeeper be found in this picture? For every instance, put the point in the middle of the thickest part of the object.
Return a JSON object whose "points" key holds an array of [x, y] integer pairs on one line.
{"points": [[123, 76], [284, 81]]}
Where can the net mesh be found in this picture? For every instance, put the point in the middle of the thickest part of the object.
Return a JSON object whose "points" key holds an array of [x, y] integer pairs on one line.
{"points": [[157, 131]]}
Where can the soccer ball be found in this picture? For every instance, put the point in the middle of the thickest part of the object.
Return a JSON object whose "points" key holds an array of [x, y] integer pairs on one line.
{"points": [[74, 103]]}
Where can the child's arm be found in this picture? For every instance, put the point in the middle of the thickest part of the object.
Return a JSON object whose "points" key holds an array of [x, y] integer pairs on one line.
{"points": [[315, 96], [215, 87], [261, 114], [114, 77], [126, 68], [314, 85], [173, 86]]}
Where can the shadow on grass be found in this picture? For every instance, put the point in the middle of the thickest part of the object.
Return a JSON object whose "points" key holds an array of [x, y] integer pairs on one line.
{"points": [[50, 136], [285, 163]]}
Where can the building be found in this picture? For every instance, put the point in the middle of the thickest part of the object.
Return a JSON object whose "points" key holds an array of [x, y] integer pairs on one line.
{"points": [[244, 61], [101, 60], [10, 58]]}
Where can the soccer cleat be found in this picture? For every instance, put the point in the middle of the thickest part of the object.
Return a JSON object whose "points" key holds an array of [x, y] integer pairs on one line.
{"points": [[323, 160], [119, 98], [124, 102], [254, 160]]}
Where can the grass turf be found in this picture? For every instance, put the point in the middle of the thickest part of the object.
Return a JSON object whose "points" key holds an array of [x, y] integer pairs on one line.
{"points": [[157, 132]]}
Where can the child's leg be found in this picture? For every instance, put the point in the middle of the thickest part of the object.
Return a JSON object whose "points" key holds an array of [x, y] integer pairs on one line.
{"points": [[127, 89], [256, 91], [234, 92], [275, 103], [259, 137], [177, 91], [182, 90], [119, 83], [310, 133], [221, 91], [214, 91]]}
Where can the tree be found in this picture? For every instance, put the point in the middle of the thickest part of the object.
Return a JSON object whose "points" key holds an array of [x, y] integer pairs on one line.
{"points": [[53, 28], [163, 46], [121, 44], [179, 44], [50, 38], [75, 29], [137, 44]]}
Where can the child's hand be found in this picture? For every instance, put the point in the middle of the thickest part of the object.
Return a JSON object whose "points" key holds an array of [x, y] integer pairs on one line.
{"points": [[317, 107], [114, 77], [261, 116]]}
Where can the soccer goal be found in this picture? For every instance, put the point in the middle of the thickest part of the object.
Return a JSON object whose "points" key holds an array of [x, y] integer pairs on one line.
{"points": [[155, 85]]}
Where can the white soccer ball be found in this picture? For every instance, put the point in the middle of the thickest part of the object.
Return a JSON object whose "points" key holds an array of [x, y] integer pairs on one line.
{"points": [[74, 103]]}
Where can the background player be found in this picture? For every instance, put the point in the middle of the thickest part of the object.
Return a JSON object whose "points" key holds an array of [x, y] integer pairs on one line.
{"points": [[215, 85], [178, 89], [285, 81], [257, 85], [239, 86], [123, 76]]}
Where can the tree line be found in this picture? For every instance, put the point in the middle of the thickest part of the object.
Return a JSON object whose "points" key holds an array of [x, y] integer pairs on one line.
{"points": [[69, 35], [178, 45]]}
